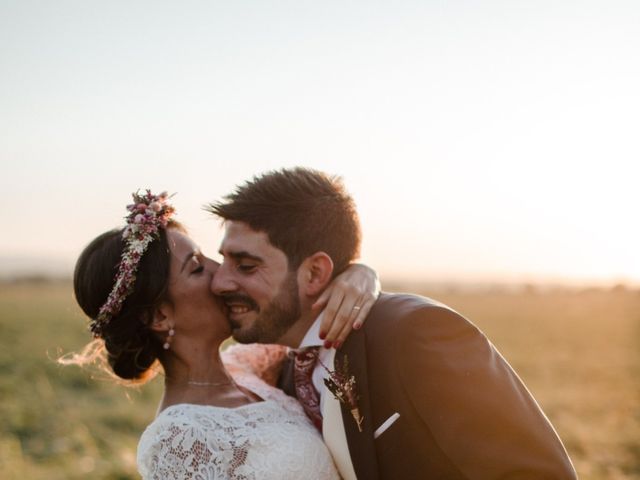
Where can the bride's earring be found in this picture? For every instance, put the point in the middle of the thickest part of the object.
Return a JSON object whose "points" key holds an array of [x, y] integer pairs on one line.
{"points": [[167, 341]]}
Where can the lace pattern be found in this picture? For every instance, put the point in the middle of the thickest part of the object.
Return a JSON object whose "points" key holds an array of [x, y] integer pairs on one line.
{"points": [[272, 439]]}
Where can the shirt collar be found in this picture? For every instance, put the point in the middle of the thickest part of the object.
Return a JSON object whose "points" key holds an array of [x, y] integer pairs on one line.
{"points": [[312, 337]]}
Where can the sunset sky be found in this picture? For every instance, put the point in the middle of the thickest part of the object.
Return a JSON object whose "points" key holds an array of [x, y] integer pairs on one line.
{"points": [[495, 140]]}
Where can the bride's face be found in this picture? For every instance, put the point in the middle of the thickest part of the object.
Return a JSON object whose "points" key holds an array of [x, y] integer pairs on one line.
{"points": [[196, 311]]}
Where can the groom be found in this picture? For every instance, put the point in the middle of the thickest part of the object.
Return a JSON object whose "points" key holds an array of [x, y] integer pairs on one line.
{"points": [[434, 397]]}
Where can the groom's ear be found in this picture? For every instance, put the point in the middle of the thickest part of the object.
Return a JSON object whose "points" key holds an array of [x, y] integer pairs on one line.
{"points": [[314, 274]]}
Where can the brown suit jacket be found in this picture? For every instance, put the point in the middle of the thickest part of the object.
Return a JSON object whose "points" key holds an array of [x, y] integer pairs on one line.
{"points": [[464, 413]]}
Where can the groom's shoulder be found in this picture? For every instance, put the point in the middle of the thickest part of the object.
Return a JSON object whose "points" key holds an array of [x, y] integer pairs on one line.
{"points": [[406, 319], [407, 311], [402, 304]]}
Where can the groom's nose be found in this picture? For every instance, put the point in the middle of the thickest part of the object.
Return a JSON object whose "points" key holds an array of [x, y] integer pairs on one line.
{"points": [[222, 280]]}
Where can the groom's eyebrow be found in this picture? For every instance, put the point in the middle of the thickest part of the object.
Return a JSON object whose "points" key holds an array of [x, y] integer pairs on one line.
{"points": [[242, 255]]}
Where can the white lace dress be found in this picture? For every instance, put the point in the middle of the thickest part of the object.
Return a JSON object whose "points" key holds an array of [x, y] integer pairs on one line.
{"points": [[272, 439]]}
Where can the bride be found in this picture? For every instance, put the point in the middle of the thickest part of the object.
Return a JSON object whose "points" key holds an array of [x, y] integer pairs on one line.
{"points": [[219, 416]]}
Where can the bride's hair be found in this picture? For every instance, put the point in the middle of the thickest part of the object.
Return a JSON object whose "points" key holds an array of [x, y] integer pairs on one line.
{"points": [[127, 343]]}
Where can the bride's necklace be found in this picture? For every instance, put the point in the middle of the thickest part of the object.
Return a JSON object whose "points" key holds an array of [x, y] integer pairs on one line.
{"points": [[229, 381], [210, 384], [194, 383]]}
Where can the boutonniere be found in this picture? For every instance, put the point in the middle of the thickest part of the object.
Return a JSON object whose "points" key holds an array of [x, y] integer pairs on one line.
{"points": [[343, 387]]}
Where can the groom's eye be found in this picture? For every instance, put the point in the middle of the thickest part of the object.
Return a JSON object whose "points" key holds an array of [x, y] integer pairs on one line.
{"points": [[246, 267], [200, 269]]}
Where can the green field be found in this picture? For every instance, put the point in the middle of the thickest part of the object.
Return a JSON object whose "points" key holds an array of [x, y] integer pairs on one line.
{"points": [[578, 352]]}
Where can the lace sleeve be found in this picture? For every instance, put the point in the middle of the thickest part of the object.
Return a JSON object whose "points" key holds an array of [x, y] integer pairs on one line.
{"points": [[176, 451], [264, 361]]}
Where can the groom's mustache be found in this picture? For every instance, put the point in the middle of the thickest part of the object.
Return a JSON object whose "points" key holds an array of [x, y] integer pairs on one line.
{"points": [[239, 298]]}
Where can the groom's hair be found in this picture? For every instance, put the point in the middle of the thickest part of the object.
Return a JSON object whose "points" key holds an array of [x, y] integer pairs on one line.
{"points": [[302, 211]]}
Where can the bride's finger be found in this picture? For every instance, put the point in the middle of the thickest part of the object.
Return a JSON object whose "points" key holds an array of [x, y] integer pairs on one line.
{"points": [[367, 302], [322, 299], [358, 287], [343, 332], [344, 317], [333, 313], [359, 314]]}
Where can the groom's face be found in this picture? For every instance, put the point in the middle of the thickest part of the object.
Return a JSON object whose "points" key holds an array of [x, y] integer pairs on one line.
{"points": [[259, 290]]}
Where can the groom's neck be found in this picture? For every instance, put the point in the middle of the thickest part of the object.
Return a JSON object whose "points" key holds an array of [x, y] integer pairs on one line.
{"points": [[293, 337]]}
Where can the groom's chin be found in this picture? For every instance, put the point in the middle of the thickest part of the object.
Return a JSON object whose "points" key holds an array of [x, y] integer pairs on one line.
{"points": [[242, 336], [242, 333]]}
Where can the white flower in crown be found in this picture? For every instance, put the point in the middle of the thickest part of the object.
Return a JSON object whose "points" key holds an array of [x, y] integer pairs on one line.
{"points": [[147, 214], [138, 247]]}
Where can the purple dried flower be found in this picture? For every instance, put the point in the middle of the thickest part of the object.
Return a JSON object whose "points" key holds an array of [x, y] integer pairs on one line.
{"points": [[141, 230]]}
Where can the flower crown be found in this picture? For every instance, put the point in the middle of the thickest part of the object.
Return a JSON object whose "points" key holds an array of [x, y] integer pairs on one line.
{"points": [[147, 214]]}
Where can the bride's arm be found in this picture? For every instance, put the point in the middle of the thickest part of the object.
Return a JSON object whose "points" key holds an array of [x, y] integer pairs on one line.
{"points": [[347, 302]]}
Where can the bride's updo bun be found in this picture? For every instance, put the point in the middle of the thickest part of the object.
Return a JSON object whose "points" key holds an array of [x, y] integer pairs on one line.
{"points": [[131, 347]]}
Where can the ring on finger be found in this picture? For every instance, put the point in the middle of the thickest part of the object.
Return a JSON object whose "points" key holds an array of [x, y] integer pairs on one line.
{"points": [[357, 307]]}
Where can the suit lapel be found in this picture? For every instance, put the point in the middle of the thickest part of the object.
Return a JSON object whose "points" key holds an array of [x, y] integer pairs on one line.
{"points": [[361, 446]]}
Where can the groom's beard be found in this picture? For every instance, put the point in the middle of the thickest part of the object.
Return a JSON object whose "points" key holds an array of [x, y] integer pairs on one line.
{"points": [[274, 320]]}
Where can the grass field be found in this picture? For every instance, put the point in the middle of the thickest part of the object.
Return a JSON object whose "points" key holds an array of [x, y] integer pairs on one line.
{"points": [[578, 352]]}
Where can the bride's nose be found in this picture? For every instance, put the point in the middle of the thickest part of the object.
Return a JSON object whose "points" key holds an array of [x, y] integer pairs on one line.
{"points": [[211, 265]]}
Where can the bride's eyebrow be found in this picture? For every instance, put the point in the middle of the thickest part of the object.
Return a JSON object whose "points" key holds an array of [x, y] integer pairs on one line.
{"points": [[188, 257]]}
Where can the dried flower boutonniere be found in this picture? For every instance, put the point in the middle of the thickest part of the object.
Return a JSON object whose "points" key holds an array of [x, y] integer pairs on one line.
{"points": [[343, 387]]}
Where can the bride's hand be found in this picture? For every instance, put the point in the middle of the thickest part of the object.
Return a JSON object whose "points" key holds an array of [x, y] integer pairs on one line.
{"points": [[347, 302]]}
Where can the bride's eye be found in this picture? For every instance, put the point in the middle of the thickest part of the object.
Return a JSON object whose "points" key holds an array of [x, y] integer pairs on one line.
{"points": [[199, 267]]}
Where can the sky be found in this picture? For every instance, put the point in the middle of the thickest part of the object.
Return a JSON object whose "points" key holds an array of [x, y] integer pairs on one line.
{"points": [[482, 141]]}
